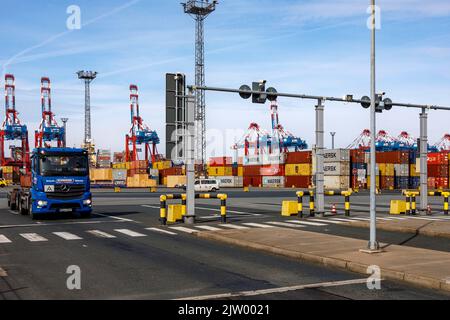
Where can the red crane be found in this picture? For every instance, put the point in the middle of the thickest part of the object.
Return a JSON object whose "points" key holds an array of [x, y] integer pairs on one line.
{"points": [[139, 134], [13, 130]]}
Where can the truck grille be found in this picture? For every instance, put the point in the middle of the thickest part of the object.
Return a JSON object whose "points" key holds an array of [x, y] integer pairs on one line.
{"points": [[64, 192], [65, 206]]}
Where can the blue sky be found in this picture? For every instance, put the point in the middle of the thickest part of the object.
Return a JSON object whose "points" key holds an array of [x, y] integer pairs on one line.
{"points": [[315, 47]]}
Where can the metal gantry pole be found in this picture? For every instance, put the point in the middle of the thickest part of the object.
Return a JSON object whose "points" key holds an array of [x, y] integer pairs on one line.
{"points": [[423, 161], [87, 116], [320, 198], [190, 144], [373, 243]]}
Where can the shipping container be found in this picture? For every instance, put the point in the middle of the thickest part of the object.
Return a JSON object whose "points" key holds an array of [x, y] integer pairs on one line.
{"points": [[336, 155], [119, 174], [387, 183], [438, 158], [377, 181], [230, 182], [386, 169], [336, 182], [401, 183], [100, 174], [265, 159], [393, 157], [270, 170], [336, 168], [220, 161], [273, 182], [438, 170], [357, 156], [298, 182], [220, 171], [252, 181], [414, 182], [161, 165], [140, 181], [299, 157], [175, 181], [401, 170], [302, 169]]}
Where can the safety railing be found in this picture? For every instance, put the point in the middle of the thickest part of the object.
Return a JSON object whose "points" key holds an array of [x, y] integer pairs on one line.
{"points": [[301, 194], [411, 204], [163, 204]]}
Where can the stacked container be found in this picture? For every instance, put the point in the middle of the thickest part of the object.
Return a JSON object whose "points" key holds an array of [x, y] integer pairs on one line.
{"points": [[118, 157], [104, 159], [358, 169], [7, 174], [298, 169], [438, 170], [336, 169]]}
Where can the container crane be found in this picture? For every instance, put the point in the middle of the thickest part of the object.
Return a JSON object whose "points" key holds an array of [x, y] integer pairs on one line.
{"points": [[13, 130], [139, 134], [49, 130], [255, 138], [444, 143]]}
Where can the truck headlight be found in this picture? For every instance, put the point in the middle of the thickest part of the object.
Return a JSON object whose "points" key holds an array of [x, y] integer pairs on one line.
{"points": [[87, 202], [41, 203]]}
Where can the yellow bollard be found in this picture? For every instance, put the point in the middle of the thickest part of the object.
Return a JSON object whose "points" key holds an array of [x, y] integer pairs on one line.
{"points": [[117, 189], [246, 189], [153, 189], [163, 210]]}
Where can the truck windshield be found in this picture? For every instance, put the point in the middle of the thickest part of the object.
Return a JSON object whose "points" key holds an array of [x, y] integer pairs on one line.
{"points": [[63, 165]]}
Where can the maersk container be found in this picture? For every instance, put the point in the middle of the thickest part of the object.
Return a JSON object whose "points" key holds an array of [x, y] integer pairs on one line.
{"points": [[336, 155], [337, 182], [230, 182], [401, 170], [273, 182], [336, 168]]}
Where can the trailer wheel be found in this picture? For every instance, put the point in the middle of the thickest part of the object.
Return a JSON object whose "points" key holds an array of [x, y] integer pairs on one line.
{"points": [[12, 204], [22, 210]]}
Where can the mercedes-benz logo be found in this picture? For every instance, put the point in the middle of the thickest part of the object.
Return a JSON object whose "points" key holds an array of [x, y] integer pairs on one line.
{"points": [[65, 188]]}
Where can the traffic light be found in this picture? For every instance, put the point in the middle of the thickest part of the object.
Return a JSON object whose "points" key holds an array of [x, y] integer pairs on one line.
{"points": [[260, 98], [380, 103]]}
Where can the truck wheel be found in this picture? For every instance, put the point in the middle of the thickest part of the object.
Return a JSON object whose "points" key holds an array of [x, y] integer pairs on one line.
{"points": [[22, 210], [12, 205]]}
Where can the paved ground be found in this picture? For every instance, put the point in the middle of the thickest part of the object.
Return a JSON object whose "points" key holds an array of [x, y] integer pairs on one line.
{"points": [[123, 252]]}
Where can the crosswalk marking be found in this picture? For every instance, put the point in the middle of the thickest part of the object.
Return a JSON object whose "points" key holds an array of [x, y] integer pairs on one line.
{"points": [[161, 231], [327, 221], [427, 219], [4, 239], [33, 237], [233, 226], [308, 223], [257, 225], [284, 224], [101, 234], [208, 228], [184, 229], [130, 233], [359, 218], [343, 219], [67, 236]]}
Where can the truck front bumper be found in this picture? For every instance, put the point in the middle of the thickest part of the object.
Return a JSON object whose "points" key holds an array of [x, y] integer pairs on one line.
{"points": [[42, 205]]}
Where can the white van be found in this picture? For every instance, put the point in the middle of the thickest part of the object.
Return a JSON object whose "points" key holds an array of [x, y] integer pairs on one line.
{"points": [[206, 185]]}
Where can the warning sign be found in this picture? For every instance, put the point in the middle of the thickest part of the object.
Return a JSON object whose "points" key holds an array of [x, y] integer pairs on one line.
{"points": [[49, 188]]}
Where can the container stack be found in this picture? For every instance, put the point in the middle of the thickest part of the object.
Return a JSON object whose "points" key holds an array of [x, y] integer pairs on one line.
{"points": [[298, 169], [358, 168], [225, 171], [7, 174], [104, 159], [438, 170], [336, 169], [119, 157], [101, 177], [173, 171]]}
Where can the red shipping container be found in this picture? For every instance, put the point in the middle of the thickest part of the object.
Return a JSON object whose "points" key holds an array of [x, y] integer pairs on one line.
{"points": [[438, 170], [299, 157], [220, 161], [441, 183], [398, 157], [266, 170], [432, 183], [357, 156], [252, 181], [387, 182], [438, 158], [174, 171], [298, 182]]}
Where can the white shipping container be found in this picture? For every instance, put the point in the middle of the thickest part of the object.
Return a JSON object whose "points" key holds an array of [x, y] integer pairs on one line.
{"points": [[336, 168], [230, 181], [264, 159], [366, 157], [377, 169], [273, 182], [119, 174], [336, 155], [337, 182], [401, 170]]}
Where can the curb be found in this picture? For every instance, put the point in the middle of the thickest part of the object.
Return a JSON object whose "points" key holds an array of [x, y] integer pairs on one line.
{"points": [[410, 278]]}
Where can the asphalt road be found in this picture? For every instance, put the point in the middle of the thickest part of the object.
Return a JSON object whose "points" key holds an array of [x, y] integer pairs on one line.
{"points": [[124, 253]]}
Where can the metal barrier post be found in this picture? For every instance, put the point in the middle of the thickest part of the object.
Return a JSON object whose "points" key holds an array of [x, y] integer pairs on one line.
{"points": [[347, 205], [311, 204], [163, 210], [183, 205], [300, 203], [446, 196], [223, 207], [413, 205], [408, 204]]}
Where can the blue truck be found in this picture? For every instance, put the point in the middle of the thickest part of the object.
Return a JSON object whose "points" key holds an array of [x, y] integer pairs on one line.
{"points": [[58, 183]]}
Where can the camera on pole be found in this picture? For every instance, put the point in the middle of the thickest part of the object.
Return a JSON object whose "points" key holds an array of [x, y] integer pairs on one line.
{"points": [[380, 103]]}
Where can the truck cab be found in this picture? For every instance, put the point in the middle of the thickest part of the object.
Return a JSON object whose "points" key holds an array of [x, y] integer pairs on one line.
{"points": [[59, 183]]}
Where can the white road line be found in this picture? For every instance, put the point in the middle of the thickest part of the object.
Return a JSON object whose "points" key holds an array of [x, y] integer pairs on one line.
{"points": [[343, 219], [308, 223], [233, 226], [385, 219], [211, 209], [33, 237], [184, 229], [427, 219], [130, 233], [327, 221], [4, 239], [67, 236], [101, 234], [113, 217], [362, 219], [208, 228], [397, 218], [278, 290], [257, 225], [13, 212], [284, 224], [161, 231]]}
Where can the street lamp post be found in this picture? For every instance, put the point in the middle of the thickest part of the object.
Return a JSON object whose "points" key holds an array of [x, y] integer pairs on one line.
{"points": [[332, 139], [64, 121]]}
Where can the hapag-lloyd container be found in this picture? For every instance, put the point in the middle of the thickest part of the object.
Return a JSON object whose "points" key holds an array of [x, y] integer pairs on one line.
{"points": [[336, 155], [273, 182], [336, 168], [337, 182]]}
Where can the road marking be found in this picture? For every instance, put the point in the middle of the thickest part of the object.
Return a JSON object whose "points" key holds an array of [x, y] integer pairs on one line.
{"points": [[113, 217], [278, 290], [130, 233], [14, 212], [397, 218], [343, 219], [327, 221], [209, 228], [101, 234], [67, 236], [257, 225], [428, 219], [4, 239], [385, 219], [33, 237], [308, 223], [284, 224], [233, 226], [184, 229], [211, 209], [161, 231], [361, 219]]}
